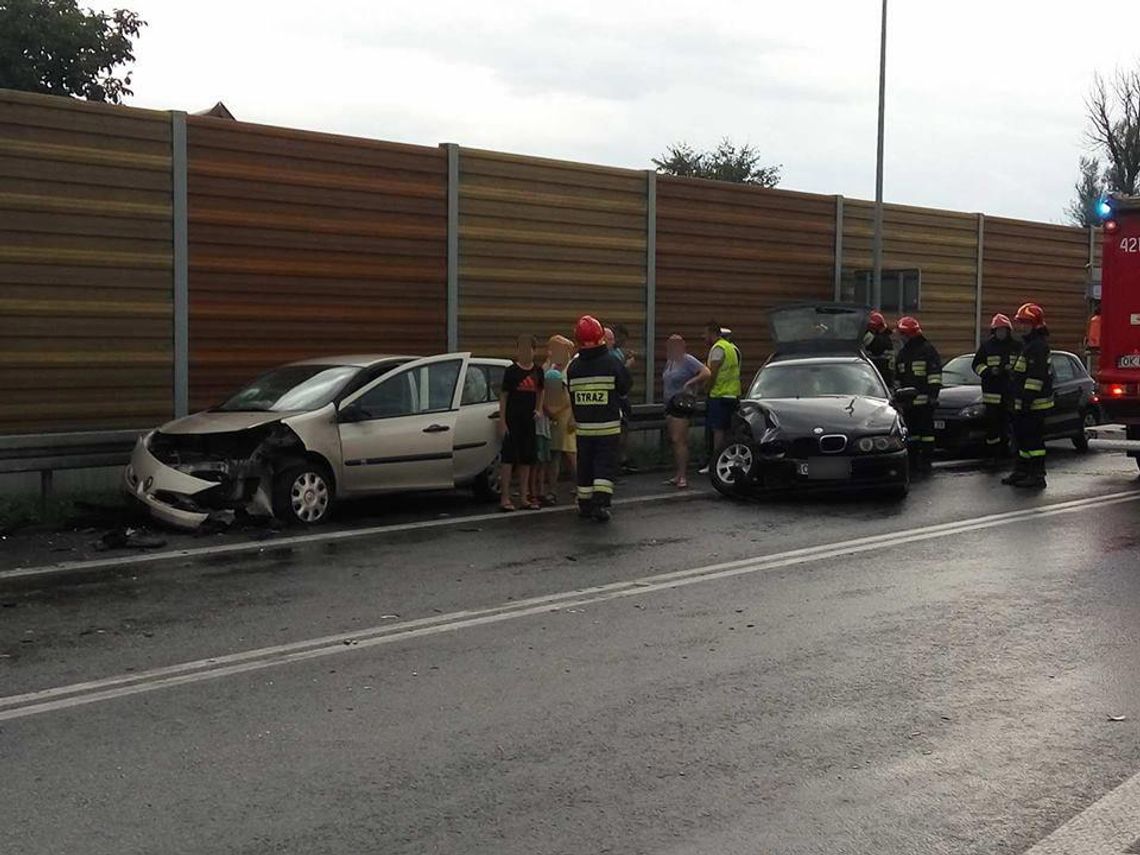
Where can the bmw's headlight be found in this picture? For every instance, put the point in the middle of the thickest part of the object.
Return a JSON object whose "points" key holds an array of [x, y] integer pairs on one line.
{"points": [[974, 411], [881, 444]]}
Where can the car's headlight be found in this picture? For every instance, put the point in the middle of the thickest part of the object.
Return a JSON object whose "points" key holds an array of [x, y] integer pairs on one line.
{"points": [[974, 411], [881, 444]]}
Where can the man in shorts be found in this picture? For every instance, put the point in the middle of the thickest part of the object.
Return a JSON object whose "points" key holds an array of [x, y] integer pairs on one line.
{"points": [[724, 386]]}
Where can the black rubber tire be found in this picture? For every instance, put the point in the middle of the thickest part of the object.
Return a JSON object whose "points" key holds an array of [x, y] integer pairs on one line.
{"points": [[320, 509], [486, 484]]}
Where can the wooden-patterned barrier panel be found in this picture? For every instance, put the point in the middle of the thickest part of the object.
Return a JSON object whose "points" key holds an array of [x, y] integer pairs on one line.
{"points": [[85, 266], [940, 247], [306, 244], [730, 253], [1042, 263], [542, 242]]}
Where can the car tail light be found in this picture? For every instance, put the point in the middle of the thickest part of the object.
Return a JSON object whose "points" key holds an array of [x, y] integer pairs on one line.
{"points": [[1118, 390]]}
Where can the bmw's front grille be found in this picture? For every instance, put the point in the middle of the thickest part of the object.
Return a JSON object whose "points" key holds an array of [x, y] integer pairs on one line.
{"points": [[835, 443]]}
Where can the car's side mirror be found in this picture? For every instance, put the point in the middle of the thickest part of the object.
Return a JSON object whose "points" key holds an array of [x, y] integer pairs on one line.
{"points": [[351, 413], [904, 396]]}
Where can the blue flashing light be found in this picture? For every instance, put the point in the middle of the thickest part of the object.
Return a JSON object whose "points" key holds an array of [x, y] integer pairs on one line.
{"points": [[1103, 208]]}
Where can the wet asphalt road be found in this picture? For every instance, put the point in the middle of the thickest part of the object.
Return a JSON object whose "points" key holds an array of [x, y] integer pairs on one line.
{"points": [[919, 691]]}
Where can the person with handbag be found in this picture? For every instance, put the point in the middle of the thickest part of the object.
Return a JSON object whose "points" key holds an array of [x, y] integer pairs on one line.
{"points": [[682, 376]]}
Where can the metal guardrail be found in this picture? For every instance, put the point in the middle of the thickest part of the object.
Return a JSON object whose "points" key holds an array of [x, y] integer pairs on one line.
{"points": [[46, 453], [51, 452]]}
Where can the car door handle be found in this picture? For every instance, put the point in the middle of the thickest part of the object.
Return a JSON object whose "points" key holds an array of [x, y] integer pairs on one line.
{"points": [[437, 429]]}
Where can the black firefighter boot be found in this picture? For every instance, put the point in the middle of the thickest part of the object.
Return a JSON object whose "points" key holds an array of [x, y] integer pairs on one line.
{"points": [[586, 509], [1035, 477], [602, 509], [1019, 473]]}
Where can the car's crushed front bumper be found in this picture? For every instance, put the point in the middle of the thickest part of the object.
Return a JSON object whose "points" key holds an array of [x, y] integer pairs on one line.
{"points": [[181, 499], [838, 472]]}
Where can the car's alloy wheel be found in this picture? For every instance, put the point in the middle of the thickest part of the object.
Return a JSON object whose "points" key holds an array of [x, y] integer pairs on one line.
{"points": [[735, 456], [309, 497]]}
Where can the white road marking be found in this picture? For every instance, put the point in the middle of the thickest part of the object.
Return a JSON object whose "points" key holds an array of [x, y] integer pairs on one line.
{"points": [[301, 539], [62, 697], [1109, 826]]}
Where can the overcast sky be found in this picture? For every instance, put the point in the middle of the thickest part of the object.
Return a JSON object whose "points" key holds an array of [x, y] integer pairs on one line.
{"points": [[984, 98]]}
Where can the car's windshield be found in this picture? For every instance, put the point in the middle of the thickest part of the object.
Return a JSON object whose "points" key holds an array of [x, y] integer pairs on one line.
{"points": [[959, 371], [292, 388], [817, 380]]}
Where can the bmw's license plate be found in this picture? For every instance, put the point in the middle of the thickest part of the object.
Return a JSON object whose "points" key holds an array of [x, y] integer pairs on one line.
{"points": [[1132, 360], [826, 468], [939, 424]]}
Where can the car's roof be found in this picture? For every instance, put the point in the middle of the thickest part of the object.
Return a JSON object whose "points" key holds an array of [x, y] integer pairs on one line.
{"points": [[817, 360], [1053, 351], [366, 360], [360, 360]]}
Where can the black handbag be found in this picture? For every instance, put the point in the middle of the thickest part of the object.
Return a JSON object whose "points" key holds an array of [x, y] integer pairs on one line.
{"points": [[682, 405]]}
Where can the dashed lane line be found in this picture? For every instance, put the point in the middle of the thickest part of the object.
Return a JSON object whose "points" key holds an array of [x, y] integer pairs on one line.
{"points": [[78, 694]]}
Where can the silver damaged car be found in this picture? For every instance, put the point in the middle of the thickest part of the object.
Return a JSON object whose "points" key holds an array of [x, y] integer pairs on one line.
{"points": [[303, 436]]}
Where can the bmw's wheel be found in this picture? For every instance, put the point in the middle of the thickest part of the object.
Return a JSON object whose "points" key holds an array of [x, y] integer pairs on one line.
{"points": [[489, 482], [1080, 440], [303, 495], [733, 463]]}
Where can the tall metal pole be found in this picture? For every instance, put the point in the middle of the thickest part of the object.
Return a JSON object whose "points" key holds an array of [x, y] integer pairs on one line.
{"points": [[877, 250]]}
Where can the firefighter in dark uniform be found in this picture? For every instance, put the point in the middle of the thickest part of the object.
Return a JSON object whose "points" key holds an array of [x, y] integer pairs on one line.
{"points": [[993, 363], [1032, 398], [597, 381], [918, 366], [880, 347]]}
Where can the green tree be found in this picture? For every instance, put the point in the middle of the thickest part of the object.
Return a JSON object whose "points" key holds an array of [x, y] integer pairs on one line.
{"points": [[724, 163], [55, 47], [1114, 128], [1090, 187]]}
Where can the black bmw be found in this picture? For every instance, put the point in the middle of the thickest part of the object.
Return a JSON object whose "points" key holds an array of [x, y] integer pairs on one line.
{"points": [[817, 415]]}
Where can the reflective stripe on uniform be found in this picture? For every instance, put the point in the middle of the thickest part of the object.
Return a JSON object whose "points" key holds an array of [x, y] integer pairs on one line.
{"points": [[993, 441], [981, 369], [919, 400], [1029, 455], [601, 485], [993, 361], [919, 369], [991, 398], [934, 380], [926, 439], [585, 492], [1042, 404], [599, 428], [1021, 365], [1032, 384], [605, 381]]}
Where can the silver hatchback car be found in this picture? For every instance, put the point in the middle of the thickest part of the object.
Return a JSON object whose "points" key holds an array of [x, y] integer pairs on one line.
{"points": [[300, 437]]}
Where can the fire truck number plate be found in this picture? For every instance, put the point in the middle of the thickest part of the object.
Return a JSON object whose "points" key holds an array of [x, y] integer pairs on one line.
{"points": [[1130, 244], [1131, 361]]}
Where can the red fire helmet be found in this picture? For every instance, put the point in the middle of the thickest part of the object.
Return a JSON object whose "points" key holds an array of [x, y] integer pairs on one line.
{"points": [[876, 322], [1031, 313], [909, 327], [588, 332], [1001, 321]]}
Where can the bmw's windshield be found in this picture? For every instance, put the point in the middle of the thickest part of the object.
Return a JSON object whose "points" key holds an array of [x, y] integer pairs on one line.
{"points": [[959, 371], [817, 380], [291, 388]]}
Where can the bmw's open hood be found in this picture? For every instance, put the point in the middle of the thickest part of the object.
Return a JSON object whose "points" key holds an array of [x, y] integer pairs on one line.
{"points": [[818, 328], [214, 422], [801, 416]]}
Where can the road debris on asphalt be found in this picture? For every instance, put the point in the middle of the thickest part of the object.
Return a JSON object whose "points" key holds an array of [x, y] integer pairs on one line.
{"points": [[1118, 718], [129, 538]]}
